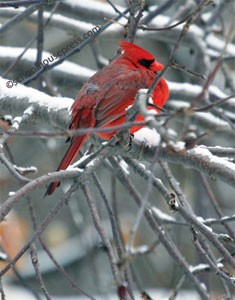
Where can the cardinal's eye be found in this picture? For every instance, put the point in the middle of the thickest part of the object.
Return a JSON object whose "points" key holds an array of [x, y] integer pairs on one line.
{"points": [[146, 62]]}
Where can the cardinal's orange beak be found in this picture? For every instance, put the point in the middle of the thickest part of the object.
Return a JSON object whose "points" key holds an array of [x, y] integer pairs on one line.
{"points": [[156, 66]]}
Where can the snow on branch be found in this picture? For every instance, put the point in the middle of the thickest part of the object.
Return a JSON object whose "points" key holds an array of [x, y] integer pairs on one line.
{"points": [[197, 158], [72, 26], [69, 69], [52, 110], [64, 23]]}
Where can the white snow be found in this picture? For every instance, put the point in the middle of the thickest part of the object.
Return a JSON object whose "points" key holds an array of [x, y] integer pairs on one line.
{"points": [[178, 146], [183, 88], [34, 96], [172, 132], [202, 267], [17, 121], [217, 147], [3, 256], [163, 216], [148, 136], [193, 90], [213, 53], [30, 169], [13, 292], [220, 94], [94, 5], [11, 193], [142, 166], [212, 119], [62, 22], [57, 20], [124, 166], [227, 217], [206, 154], [68, 67], [200, 219], [218, 44], [138, 250]]}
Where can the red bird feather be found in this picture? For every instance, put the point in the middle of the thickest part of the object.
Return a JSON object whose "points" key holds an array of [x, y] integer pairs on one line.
{"points": [[104, 98]]}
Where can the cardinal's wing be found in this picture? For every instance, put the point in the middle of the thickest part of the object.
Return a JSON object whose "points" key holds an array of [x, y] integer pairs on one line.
{"points": [[118, 94]]}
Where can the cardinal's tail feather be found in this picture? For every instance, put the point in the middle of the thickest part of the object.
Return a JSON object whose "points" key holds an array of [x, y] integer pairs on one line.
{"points": [[51, 188], [68, 158]]}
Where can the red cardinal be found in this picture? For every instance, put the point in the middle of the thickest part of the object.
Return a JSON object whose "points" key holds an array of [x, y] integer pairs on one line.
{"points": [[104, 98]]}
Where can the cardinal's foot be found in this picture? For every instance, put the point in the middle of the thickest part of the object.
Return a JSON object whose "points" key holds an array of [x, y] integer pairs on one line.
{"points": [[124, 138]]}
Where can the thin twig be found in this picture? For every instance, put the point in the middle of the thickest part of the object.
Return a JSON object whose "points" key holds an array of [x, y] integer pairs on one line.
{"points": [[215, 204], [163, 235], [101, 232], [187, 213], [75, 50], [18, 3], [29, 44], [41, 228], [46, 249], [35, 263]]}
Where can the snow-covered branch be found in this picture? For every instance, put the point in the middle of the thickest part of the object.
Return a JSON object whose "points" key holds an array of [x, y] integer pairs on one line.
{"points": [[175, 176], [55, 111], [197, 158], [194, 37], [52, 110]]}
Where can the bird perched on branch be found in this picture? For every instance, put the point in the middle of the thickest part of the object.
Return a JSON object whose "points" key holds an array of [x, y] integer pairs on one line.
{"points": [[103, 100]]}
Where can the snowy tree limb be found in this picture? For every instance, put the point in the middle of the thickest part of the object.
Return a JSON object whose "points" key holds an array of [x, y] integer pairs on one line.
{"points": [[198, 158], [52, 110]]}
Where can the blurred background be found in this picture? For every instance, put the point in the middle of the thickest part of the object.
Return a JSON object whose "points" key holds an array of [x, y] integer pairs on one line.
{"points": [[71, 235]]}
